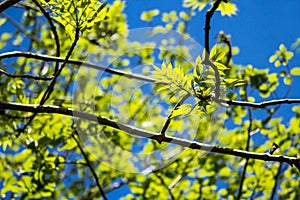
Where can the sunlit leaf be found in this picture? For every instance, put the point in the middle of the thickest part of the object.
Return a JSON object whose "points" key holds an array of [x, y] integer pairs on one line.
{"points": [[295, 71], [227, 9]]}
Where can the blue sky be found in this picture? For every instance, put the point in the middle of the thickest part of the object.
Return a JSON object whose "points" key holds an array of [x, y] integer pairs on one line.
{"points": [[258, 29]]}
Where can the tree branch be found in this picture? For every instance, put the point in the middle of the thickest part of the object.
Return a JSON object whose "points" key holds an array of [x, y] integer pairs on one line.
{"points": [[23, 30], [148, 134], [240, 193], [259, 105], [208, 17], [26, 6], [139, 77], [168, 121], [165, 185], [6, 4], [206, 61], [276, 181], [37, 78], [89, 164], [50, 87], [75, 62], [52, 28]]}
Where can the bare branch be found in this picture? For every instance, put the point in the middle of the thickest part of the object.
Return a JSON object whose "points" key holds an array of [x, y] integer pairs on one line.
{"points": [[165, 185], [52, 28], [116, 185], [89, 164], [247, 149], [168, 121], [51, 85], [208, 16], [58, 72], [148, 134], [6, 4], [23, 30], [276, 177], [206, 61], [26, 6], [37, 78], [140, 77], [75, 62], [259, 105]]}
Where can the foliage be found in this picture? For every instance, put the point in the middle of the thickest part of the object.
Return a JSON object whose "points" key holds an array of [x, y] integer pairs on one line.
{"points": [[42, 156]]}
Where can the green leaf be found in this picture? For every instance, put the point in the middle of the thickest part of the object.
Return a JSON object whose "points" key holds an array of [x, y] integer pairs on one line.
{"points": [[273, 78], [295, 71], [277, 63], [182, 110], [220, 66], [227, 9], [176, 77], [148, 15], [2, 21], [5, 36], [288, 55], [282, 48], [272, 58], [194, 4], [224, 172], [264, 88], [184, 16], [287, 80], [218, 53], [230, 82]]}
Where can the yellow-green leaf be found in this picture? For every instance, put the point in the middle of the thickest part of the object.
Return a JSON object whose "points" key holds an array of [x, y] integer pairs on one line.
{"points": [[295, 71], [227, 9], [148, 15], [272, 58], [182, 110], [287, 80]]}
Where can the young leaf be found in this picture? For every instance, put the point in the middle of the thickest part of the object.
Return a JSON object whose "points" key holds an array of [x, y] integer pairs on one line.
{"points": [[182, 110], [148, 15], [218, 53], [220, 66], [227, 9], [295, 71]]}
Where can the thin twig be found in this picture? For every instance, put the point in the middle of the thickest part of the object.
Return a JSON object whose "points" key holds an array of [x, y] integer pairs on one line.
{"points": [[247, 159], [259, 105], [75, 62], [208, 17], [6, 4], [89, 164], [225, 39], [207, 61], [50, 87], [276, 181], [165, 185], [148, 134], [52, 28], [37, 78], [168, 121], [57, 73], [72, 163], [141, 77], [23, 30], [26, 6]]}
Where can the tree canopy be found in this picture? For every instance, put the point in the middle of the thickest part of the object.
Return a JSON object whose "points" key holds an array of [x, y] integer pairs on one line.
{"points": [[93, 109]]}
